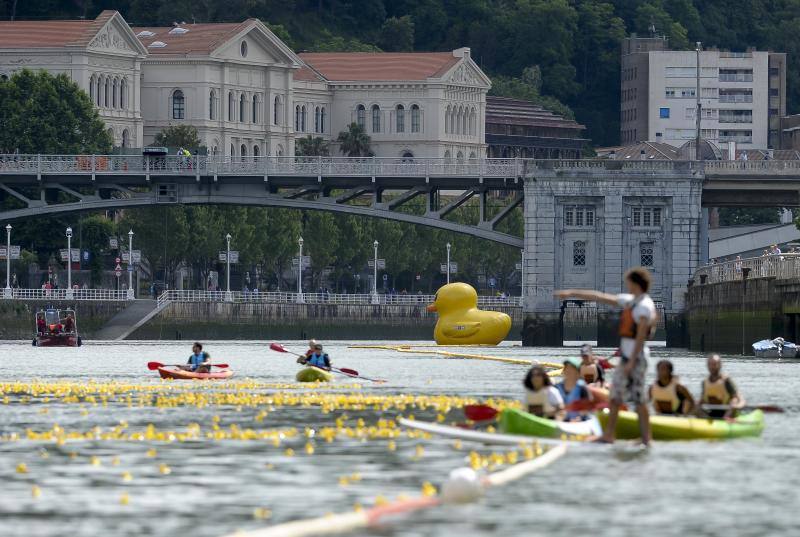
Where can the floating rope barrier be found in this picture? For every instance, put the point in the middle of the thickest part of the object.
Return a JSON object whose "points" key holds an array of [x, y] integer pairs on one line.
{"points": [[416, 350]]}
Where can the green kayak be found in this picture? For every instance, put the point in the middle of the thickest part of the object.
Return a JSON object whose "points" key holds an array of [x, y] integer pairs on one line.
{"points": [[686, 428], [514, 421], [313, 374]]}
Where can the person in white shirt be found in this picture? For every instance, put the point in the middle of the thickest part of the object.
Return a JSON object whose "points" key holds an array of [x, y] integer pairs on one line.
{"points": [[541, 397], [637, 321]]}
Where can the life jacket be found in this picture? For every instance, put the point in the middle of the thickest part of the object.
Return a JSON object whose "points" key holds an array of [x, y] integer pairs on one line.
{"points": [[319, 360], [572, 396], [627, 324], [665, 398], [196, 359], [589, 373], [539, 403], [716, 393]]}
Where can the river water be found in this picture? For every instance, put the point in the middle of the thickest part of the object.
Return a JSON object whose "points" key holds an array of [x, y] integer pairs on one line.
{"points": [[213, 486]]}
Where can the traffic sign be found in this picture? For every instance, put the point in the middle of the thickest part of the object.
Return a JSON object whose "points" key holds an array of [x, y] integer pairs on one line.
{"points": [[381, 264], [75, 255], [519, 266], [118, 273], [306, 261], [386, 277], [130, 268], [14, 252], [118, 261], [137, 256], [118, 267], [223, 256], [113, 243], [492, 282], [453, 268]]}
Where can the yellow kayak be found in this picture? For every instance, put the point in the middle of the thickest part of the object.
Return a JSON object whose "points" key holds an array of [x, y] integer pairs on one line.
{"points": [[686, 428], [313, 374]]}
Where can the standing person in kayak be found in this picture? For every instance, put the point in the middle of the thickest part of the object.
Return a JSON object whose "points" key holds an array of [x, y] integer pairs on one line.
{"points": [[573, 388], [719, 389], [591, 370], [199, 361], [668, 395], [317, 358], [541, 397], [637, 321]]}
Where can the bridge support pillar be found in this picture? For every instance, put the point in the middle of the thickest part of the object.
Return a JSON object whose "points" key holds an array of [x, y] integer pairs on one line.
{"points": [[704, 236]]}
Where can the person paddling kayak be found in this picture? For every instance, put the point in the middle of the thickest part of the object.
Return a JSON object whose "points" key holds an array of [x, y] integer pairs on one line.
{"points": [[541, 397], [591, 370], [317, 358], [637, 321], [573, 388], [199, 361], [667, 394], [719, 389]]}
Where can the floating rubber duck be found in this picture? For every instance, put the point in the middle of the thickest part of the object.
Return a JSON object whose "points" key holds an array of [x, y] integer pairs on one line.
{"points": [[462, 323]]}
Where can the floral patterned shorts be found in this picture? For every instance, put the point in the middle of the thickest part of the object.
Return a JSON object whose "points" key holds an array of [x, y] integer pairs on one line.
{"points": [[631, 389]]}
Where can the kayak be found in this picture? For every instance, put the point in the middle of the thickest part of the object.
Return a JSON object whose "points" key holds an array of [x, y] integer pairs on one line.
{"points": [[685, 428], [513, 421], [179, 374], [313, 374], [483, 437]]}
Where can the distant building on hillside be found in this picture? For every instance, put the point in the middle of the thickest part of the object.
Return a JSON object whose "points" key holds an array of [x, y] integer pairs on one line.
{"points": [[518, 128], [743, 95]]}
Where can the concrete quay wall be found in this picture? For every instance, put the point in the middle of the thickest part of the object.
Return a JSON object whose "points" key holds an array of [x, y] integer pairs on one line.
{"points": [[17, 316]]}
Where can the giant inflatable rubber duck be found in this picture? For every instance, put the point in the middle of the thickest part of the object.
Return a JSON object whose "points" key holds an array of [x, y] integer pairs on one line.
{"points": [[462, 323]]}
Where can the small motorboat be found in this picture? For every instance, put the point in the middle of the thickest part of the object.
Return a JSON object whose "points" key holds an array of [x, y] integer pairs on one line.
{"points": [[56, 328], [774, 348]]}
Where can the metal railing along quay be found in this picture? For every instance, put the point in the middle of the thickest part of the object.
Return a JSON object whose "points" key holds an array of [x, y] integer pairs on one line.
{"points": [[781, 267], [109, 295], [175, 295]]}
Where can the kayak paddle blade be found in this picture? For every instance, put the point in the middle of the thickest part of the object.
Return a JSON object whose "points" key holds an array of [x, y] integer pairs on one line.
{"points": [[277, 348], [152, 366], [351, 372], [480, 412]]}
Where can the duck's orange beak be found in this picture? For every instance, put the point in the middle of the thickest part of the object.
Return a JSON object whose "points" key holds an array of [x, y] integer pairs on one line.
{"points": [[431, 307]]}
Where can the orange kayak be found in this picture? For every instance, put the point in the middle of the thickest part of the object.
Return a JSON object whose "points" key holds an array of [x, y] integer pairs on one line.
{"points": [[180, 374]]}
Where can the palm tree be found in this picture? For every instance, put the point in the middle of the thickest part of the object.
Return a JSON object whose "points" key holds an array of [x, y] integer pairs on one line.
{"points": [[354, 142], [312, 147]]}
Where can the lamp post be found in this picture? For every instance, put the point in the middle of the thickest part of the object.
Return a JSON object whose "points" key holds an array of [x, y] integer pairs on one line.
{"points": [[448, 262], [8, 261], [228, 296], [300, 272], [375, 273], [69, 263], [131, 294]]}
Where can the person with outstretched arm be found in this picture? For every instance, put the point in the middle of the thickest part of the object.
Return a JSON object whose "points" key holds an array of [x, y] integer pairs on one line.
{"points": [[637, 321]]}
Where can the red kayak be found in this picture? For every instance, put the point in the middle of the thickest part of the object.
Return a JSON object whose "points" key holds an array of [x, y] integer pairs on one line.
{"points": [[180, 374]]}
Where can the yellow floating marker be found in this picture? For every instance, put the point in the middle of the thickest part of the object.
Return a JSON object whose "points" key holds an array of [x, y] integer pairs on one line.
{"points": [[22, 468], [164, 469], [261, 513], [309, 448], [36, 491], [94, 460], [127, 476], [124, 499], [428, 490], [152, 452], [289, 452]]}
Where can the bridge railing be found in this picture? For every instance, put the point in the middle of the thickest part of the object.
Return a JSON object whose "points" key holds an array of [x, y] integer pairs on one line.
{"points": [[782, 267], [65, 294], [175, 295]]}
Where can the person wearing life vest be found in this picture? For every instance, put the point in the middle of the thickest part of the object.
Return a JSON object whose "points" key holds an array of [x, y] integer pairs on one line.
{"points": [[69, 324], [41, 325], [667, 394], [637, 321], [541, 397], [199, 361], [317, 358], [591, 370], [573, 389], [719, 390]]}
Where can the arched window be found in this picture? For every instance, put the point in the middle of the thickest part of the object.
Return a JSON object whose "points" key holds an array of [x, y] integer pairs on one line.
{"points": [[241, 108], [303, 118], [408, 156], [256, 110], [400, 118], [297, 118], [107, 93], [212, 104], [447, 120], [460, 156], [231, 106], [123, 94], [279, 150], [126, 142], [415, 118], [115, 94], [322, 120], [361, 116], [447, 155], [472, 156], [244, 150], [277, 110], [464, 120], [316, 119], [178, 105], [111, 134], [233, 151], [256, 151], [92, 87], [376, 118], [473, 122]]}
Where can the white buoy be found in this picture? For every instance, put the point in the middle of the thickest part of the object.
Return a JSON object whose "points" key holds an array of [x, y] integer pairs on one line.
{"points": [[462, 486]]}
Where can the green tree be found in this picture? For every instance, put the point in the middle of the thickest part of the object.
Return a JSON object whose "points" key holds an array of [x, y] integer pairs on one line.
{"points": [[312, 146], [397, 34], [528, 87], [95, 231], [178, 136], [42, 113], [354, 142]]}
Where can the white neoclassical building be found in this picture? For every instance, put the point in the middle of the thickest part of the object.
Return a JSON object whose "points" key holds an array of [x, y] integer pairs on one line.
{"points": [[102, 56], [248, 94]]}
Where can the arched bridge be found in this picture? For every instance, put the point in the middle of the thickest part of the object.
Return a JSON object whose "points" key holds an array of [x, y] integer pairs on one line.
{"points": [[378, 187]]}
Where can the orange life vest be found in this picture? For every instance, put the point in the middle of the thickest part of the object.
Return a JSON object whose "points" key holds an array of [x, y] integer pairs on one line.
{"points": [[716, 393], [665, 398], [627, 325]]}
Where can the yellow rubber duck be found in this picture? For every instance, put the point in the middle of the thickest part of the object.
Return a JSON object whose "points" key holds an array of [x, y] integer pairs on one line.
{"points": [[462, 323]]}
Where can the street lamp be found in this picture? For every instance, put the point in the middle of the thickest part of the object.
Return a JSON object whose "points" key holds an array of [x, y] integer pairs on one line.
{"points": [[69, 263], [228, 296], [448, 262], [131, 294], [8, 261], [375, 273], [300, 272]]}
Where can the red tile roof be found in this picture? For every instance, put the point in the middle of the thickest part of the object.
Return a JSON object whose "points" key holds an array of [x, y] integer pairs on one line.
{"points": [[383, 66], [50, 34], [200, 38], [306, 74]]}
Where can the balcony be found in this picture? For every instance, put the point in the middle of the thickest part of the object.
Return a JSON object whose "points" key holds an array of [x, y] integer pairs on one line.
{"points": [[735, 77], [739, 139], [735, 98]]}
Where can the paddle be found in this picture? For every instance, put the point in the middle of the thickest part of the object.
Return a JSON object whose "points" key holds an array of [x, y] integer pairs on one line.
{"points": [[769, 409], [152, 366], [344, 371]]}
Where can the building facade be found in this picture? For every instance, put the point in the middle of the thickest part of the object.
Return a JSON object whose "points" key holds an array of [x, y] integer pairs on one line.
{"points": [[742, 95], [102, 56]]}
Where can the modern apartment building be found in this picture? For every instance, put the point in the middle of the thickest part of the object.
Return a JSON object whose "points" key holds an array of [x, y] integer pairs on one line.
{"points": [[742, 95]]}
